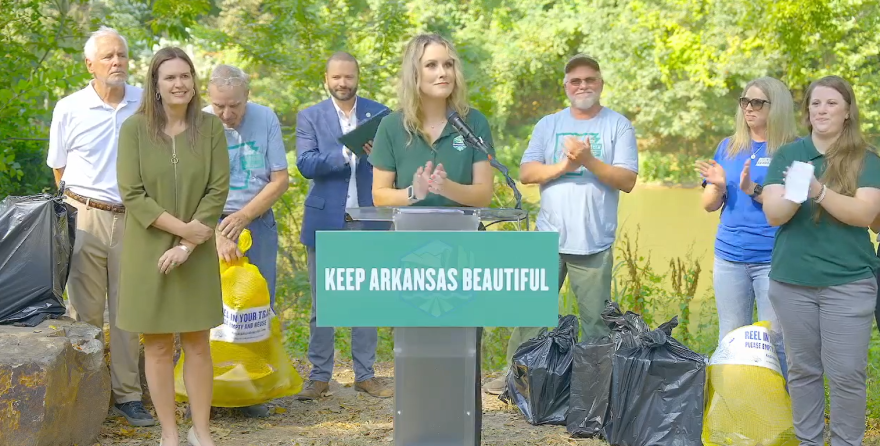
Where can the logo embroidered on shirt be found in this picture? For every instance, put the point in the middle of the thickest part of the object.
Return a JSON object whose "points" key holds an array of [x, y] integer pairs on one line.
{"points": [[458, 143]]}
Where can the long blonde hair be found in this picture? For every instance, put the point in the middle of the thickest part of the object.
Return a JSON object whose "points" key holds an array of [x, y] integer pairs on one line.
{"points": [[781, 123], [410, 96], [151, 107], [845, 157]]}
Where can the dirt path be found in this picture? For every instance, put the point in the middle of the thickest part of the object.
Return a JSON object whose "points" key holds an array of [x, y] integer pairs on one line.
{"points": [[346, 418]]}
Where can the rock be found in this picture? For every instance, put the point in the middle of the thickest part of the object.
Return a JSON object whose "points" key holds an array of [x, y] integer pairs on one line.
{"points": [[54, 384]]}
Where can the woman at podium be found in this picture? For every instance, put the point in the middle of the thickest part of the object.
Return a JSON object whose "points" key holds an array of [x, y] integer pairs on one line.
{"points": [[418, 158]]}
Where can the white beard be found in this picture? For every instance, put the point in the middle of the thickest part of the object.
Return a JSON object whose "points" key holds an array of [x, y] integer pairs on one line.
{"points": [[584, 103]]}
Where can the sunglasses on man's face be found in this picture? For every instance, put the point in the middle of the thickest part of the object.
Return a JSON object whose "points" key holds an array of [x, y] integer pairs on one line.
{"points": [[757, 104], [577, 82]]}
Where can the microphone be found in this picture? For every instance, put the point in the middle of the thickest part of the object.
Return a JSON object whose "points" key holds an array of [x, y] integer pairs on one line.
{"points": [[476, 142]]}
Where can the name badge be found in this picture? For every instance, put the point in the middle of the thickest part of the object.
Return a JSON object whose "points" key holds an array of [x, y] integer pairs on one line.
{"points": [[763, 162]]}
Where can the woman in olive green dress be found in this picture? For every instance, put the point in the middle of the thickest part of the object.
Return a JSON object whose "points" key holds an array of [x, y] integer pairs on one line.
{"points": [[173, 172]]}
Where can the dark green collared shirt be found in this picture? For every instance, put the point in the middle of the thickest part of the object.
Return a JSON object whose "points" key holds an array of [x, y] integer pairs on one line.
{"points": [[392, 153], [827, 253]]}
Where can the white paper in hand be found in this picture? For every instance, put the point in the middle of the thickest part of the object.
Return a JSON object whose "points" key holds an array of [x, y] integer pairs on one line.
{"points": [[797, 182]]}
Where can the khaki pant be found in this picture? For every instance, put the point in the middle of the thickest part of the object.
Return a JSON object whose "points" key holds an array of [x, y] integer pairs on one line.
{"points": [[94, 283], [590, 279]]}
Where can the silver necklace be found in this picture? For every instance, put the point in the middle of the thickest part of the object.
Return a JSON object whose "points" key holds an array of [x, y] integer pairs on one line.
{"points": [[755, 152]]}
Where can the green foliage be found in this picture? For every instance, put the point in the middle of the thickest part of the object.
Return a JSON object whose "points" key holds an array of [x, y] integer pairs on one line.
{"points": [[143, 22], [43, 61], [874, 375], [675, 67], [668, 168], [289, 71], [38, 68], [636, 286]]}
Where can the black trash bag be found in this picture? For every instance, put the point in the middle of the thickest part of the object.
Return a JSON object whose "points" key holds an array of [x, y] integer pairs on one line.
{"points": [[590, 388], [657, 392], [37, 235], [592, 369], [539, 379]]}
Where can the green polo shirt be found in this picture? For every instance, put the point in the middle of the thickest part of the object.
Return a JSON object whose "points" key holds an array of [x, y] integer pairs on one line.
{"points": [[827, 253], [392, 153]]}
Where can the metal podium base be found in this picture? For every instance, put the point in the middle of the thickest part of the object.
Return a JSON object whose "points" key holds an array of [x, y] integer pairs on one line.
{"points": [[437, 395], [436, 389]]}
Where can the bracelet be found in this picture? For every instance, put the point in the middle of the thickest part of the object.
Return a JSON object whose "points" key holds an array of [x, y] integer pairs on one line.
{"points": [[185, 248], [821, 195]]}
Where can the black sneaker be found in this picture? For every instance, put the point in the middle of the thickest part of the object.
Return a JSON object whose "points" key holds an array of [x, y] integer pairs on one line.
{"points": [[255, 411], [135, 413]]}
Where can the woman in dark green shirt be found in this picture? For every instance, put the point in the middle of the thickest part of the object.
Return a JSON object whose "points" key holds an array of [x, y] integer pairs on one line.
{"points": [[418, 158], [822, 283]]}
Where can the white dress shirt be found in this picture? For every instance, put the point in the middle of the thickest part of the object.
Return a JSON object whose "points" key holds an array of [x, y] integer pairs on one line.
{"points": [[83, 140], [348, 124]]}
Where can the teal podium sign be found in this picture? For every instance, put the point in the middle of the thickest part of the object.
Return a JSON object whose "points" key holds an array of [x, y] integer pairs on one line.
{"points": [[437, 279]]}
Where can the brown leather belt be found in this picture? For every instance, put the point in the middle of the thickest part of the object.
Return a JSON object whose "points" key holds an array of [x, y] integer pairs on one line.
{"points": [[97, 204]]}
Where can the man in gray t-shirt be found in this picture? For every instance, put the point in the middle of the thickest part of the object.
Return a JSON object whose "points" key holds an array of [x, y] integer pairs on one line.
{"points": [[582, 157], [257, 177]]}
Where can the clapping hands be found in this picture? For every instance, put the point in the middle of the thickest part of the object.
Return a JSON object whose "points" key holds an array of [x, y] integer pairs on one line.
{"points": [[578, 151], [429, 179], [815, 186], [745, 179], [712, 172]]}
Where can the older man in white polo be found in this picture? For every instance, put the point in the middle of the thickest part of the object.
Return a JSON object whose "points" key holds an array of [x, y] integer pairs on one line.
{"points": [[82, 154]]}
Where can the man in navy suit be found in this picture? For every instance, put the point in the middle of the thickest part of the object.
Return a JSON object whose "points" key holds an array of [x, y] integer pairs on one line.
{"points": [[340, 180]]}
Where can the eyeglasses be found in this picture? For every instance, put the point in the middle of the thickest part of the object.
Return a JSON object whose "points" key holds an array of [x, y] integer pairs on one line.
{"points": [[231, 81], [577, 82], [757, 104]]}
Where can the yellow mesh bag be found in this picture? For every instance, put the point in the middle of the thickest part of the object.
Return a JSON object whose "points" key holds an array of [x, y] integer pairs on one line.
{"points": [[250, 364], [746, 400]]}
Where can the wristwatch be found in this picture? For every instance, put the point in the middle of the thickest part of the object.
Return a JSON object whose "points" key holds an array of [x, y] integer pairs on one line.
{"points": [[757, 191], [411, 195]]}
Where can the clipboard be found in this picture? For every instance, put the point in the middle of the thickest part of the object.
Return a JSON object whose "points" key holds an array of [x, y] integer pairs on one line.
{"points": [[363, 133]]}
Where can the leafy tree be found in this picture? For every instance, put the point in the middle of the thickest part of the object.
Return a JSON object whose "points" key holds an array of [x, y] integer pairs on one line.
{"points": [[675, 67], [40, 65]]}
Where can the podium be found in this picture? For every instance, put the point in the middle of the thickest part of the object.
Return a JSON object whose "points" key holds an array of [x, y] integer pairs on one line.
{"points": [[437, 389], [388, 214]]}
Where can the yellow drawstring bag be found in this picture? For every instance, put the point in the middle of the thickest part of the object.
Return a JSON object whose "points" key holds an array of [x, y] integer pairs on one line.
{"points": [[746, 400], [250, 364]]}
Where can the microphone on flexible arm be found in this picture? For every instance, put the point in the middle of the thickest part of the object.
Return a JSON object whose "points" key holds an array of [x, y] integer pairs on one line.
{"points": [[476, 142]]}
